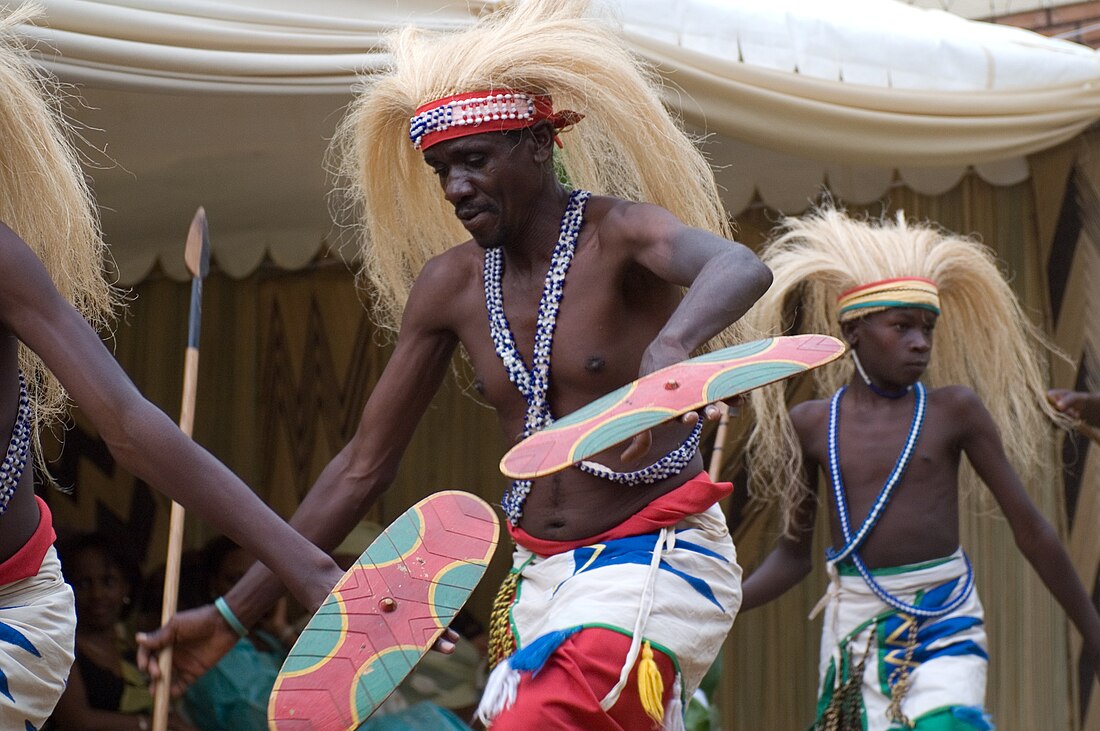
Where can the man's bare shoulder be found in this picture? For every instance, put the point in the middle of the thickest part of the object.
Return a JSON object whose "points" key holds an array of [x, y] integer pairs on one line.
{"points": [[620, 215], [451, 270], [630, 228], [440, 286], [16, 257]]}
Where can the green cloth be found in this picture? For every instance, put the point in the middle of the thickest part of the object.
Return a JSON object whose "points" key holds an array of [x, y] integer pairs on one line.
{"points": [[420, 717], [953, 718], [233, 695], [700, 716]]}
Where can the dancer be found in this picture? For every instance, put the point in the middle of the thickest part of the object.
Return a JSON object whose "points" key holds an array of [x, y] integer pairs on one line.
{"points": [[52, 256], [903, 642], [624, 582]]}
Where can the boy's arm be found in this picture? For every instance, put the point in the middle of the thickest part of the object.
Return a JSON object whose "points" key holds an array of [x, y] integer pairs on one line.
{"points": [[792, 558], [1033, 533], [787, 564]]}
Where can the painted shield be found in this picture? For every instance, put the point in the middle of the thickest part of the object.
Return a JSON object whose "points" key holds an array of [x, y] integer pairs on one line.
{"points": [[665, 395], [384, 614]]}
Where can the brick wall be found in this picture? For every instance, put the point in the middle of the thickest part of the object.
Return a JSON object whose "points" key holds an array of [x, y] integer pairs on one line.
{"points": [[1078, 22]]}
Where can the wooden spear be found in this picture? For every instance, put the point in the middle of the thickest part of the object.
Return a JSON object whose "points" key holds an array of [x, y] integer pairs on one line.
{"points": [[715, 468], [197, 256]]}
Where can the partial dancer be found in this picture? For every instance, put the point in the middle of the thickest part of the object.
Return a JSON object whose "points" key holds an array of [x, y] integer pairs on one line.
{"points": [[54, 286], [904, 642]]}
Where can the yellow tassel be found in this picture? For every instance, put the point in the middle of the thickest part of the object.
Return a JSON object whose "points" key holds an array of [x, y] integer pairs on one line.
{"points": [[651, 688]]}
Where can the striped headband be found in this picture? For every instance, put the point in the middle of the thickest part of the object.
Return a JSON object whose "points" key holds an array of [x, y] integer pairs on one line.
{"points": [[887, 293], [495, 110]]}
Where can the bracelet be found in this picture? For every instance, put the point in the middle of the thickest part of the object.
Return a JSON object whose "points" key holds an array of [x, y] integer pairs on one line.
{"points": [[229, 617]]}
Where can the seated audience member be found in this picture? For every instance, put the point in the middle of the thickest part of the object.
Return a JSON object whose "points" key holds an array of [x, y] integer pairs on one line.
{"points": [[105, 689]]}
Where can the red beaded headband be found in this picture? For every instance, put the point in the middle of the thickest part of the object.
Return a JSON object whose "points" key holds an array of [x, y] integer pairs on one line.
{"points": [[495, 110]]}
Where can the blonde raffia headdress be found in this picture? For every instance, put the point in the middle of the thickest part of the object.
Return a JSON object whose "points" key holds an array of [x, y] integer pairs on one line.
{"points": [[44, 197], [822, 263], [627, 144]]}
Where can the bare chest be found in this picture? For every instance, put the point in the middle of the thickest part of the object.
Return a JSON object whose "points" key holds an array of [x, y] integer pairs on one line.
{"points": [[597, 336], [872, 460]]}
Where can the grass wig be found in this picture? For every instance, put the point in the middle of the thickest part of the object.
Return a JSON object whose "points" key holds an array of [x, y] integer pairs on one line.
{"points": [[626, 146], [46, 200], [984, 339]]}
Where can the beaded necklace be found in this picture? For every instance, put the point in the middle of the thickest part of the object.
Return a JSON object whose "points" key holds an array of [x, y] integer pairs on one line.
{"points": [[15, 460], [853, 542], [534, 383]]}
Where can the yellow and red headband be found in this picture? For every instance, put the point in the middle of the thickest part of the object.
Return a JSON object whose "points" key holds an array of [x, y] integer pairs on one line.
{"points": [[475, 112], [887, 293]]}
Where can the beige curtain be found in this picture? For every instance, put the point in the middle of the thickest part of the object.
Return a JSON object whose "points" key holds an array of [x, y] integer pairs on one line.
{"points": [[231, 104], [831, 120]]}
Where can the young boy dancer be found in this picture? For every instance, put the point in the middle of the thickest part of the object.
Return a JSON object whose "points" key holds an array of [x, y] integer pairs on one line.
{"points": [[903, 643]]}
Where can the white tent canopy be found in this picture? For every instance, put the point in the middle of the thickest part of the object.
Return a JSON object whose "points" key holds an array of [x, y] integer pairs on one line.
{"points": [[229, 103]]}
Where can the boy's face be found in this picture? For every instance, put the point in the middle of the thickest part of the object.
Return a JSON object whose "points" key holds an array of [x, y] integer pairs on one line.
{"points": [[894, 345]]}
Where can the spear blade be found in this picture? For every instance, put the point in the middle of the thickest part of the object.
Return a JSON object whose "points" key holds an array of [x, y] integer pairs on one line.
{"points": [[197, 251]]}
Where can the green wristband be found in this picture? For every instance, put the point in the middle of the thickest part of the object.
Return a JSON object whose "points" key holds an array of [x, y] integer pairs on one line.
{"points": [[229, 617]]}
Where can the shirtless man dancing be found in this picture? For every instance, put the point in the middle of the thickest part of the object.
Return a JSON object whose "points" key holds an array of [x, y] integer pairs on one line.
{"points": [[557, 297]]}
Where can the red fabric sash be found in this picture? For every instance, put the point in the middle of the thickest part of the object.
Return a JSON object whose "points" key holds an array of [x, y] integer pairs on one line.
{"points": [[694, 496], [26, 562]]}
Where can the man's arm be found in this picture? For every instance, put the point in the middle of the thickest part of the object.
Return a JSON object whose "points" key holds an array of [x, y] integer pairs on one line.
{"points": [[723, 278], [347, 486], [365, 467], [1033, 533], [140, 436]]}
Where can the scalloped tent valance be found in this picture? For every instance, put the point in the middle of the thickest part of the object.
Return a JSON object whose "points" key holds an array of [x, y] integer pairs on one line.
{"points": [[230, 104]]}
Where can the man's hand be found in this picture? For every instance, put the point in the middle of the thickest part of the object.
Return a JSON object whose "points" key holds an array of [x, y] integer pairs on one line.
{"points": [[199, 638], [446, 642], [639, 445]]}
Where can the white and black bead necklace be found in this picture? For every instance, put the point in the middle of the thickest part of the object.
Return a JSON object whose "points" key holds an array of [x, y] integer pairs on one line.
{"points": [[15, 459], [534, 383]]}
